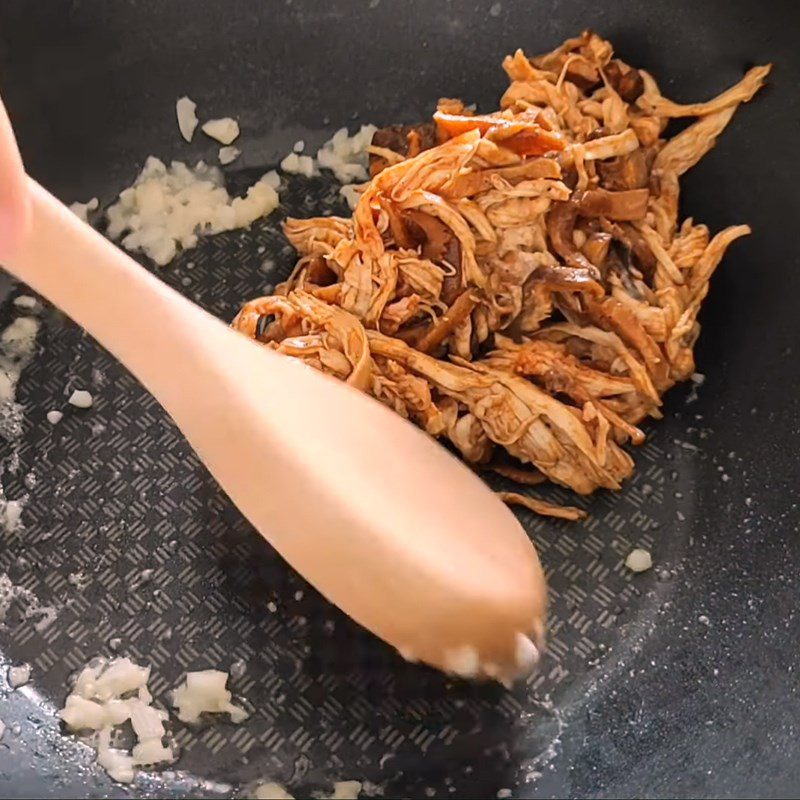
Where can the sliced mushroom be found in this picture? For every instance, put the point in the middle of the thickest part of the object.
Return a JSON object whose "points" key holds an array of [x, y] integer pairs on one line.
{"points": [[621, 206], [401, 139], [595, 248], [449, 321], [627, 81], [568, 279], [560, 224], [626, 172], [319, 273], [628, 236], [440, 245]]}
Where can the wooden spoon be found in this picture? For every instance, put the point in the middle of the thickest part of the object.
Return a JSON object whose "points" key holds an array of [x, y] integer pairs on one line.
{"points": [[378, 517]]}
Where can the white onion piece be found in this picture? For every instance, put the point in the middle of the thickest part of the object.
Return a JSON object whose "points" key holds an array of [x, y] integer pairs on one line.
{"points": [[117, 763], [81, 714], [228, 154], [171, 207], [238, 668], [80, 398], [11, 514], [98, 703], [82, 210], [121, 676], [272, 179], [299, 165], [25, 301], [346, 156], [224, 130], [237, 714], [117, 711], [19, 676], [346, 790], [147, 722], [152, 752], [639, 560], [84, 683], [19, 337], [351, 193], [17, 348], [205, 692], [186, 111]]}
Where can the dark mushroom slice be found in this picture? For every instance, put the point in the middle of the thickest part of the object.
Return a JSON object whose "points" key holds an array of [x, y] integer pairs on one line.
{"points": [[560, 225], [624, 206], [627, 81]]}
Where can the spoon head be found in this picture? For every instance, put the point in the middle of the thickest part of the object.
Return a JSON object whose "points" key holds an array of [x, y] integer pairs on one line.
{"points": [[382, 520]]}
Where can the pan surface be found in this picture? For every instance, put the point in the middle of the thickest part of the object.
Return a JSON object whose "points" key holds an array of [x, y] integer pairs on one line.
{"points": [[680, 681]]}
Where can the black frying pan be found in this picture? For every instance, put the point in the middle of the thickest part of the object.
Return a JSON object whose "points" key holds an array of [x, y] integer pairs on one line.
{"points": [[682, 681]]}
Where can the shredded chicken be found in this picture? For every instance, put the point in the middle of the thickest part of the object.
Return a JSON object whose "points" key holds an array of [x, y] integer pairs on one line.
{"points": [[518, 282], [541, 506]]}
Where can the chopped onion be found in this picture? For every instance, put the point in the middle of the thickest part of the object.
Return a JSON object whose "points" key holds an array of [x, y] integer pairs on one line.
{"points": [[108, 693], [54, 417], [121, 676], [261, 199], [19, 676], [19, 337], [82, 714], [205, 692], [26, 301], [299, 165], [80, 398], [347, 155], [117, 763], [224, 130], [171, 207], [97, 704], [152, 752], [346, 790], [351, 193], [85, 682], [272, 179], [228, 154], [82, 210], [148, 722], [186, 111], [11, 513], [639, 560], [17, 347], [237, 714], [117, 711]]}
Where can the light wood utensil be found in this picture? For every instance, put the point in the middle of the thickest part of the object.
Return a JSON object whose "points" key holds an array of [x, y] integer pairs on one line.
{"points": [[377, 516]]}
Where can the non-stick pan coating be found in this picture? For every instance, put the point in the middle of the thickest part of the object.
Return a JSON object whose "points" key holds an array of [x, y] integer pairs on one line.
{"points": [[681, 681]]}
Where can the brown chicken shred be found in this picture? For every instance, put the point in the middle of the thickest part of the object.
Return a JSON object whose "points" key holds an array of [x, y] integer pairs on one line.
{"points": [[518, 282]]}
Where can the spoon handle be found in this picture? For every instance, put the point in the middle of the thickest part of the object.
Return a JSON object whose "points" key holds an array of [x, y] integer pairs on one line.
{"points": [[148, 326]]}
